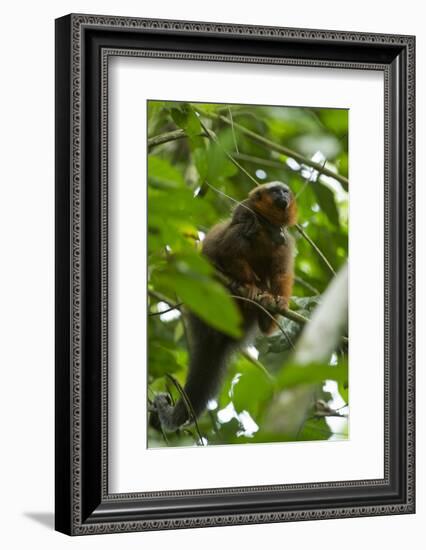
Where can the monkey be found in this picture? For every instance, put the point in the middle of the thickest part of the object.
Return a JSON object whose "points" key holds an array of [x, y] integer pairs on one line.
{"points": [[254, 250]]}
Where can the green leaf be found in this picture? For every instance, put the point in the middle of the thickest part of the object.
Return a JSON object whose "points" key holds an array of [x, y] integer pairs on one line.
{"points": [[252, 389], [335, 120], [157, 115], [316, 429], [173, 218], [219, 165], [177, 204], [180, 273], [178, 332], [325, 197], [344, 391], [210, 302], [201, 162], [279, 342], [212, 163], [307, 303], [161, 360], [343, 164], [202, 295], [295, 375], [185, 118], [162, 174], [191, 261]]}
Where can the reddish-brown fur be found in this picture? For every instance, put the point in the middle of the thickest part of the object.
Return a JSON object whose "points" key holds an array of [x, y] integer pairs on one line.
{"points": [[252, 250]]}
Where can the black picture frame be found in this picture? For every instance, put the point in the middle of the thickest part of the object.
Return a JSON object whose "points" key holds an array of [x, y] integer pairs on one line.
{"points": [[83, 45]]}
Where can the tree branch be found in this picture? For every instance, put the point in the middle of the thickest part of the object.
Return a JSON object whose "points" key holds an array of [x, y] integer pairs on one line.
{"points": [[168, 136], [327, 324], [315, 247], [263, 308], [243, 292], [259, 160], [178, 134], [177, 306], [213, 137], [188, 405], [279, 148], [307, 285]]}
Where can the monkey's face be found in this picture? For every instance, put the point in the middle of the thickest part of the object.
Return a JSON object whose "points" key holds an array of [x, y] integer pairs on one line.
{"points": [[275, 201]]}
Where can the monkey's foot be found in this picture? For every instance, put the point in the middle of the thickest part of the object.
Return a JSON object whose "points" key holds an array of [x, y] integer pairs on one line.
{"points": [[267, 300], [281, 302]]}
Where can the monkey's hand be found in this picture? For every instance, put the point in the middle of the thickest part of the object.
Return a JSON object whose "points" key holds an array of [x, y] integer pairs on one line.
{"points": [[253, 291]]}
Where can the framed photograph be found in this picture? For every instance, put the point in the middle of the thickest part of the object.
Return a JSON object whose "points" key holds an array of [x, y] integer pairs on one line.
{"points": [[234, 274]]}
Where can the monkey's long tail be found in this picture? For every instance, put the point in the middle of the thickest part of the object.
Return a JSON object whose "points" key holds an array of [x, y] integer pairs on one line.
{"points": [[209, 352]]}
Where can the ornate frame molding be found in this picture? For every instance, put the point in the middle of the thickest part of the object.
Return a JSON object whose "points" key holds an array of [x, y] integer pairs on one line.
{"points": [[76, 510]]}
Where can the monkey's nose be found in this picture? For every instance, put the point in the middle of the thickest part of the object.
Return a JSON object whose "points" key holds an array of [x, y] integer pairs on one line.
{"points": [[282, 201]]}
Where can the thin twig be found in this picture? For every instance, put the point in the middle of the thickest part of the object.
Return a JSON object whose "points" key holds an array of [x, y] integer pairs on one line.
{"points": [[233, 129], [188, 432], [298, 226], [260, 306], [315, 247], [188, 405], [320, 414], [257, 364], [288, 313], [279, 148], [169, 391], [307, 285], [259, 160], [213, 137], [209, 133], [213, 422], [308, 180], [164, 435], [177, 306], [274, 310], [242, 291]]}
